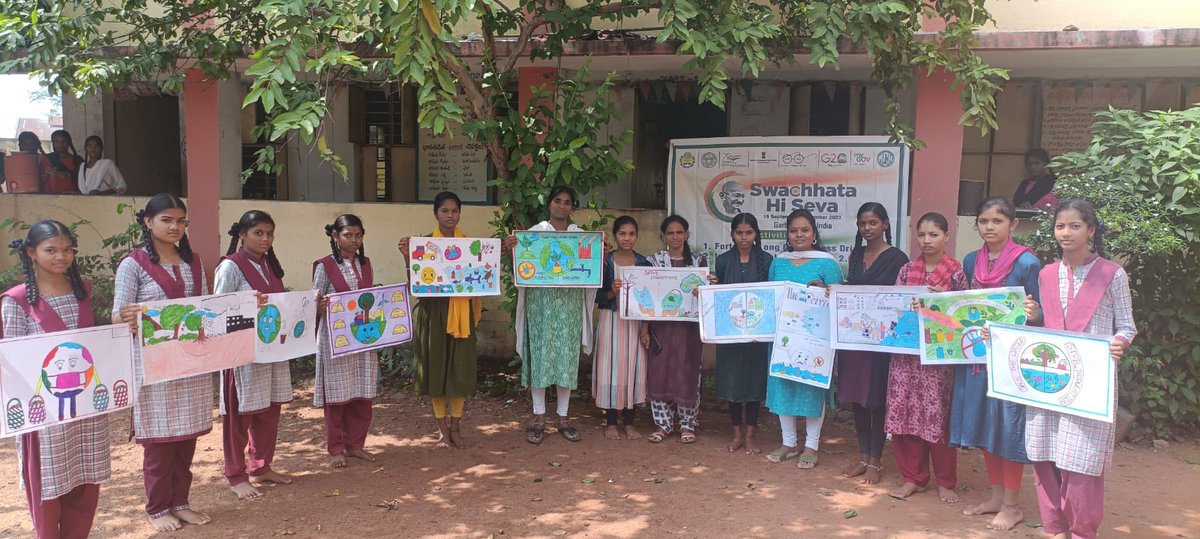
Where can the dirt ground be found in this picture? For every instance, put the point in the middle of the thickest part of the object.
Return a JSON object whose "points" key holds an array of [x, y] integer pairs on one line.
{"points": [[501, 486]]}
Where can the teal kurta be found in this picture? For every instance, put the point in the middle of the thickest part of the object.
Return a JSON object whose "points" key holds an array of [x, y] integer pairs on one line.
{"points": [[786, 397], [444, 366], [553, 337]]}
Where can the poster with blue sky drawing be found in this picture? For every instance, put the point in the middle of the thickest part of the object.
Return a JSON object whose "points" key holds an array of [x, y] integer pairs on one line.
{"points": [[661, 293], [287, 327], [454, 267], [735, 313], [874, 318], [563, 259], [1062, 371], [57, 378], [368, 319], [802, 352]]}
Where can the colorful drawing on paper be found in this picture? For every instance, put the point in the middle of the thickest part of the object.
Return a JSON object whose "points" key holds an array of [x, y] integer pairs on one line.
{"points": [[802, 352], [285, 327], [875, 318], [739, 312], [198, 335], [368, 319], [451, 267], [661, 293], [55, 378], [1062, 371], [573, 259], [951, 323]]}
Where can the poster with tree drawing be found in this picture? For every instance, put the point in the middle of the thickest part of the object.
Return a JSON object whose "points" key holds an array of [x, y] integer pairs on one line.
{"points": [[56, 378], [286, 327], [951, 323], [549, 259], [454, 267], [661, 293], [874, 318], [1062, 371], [734, 313], [802, 352], [189, 336], [368, 319]]}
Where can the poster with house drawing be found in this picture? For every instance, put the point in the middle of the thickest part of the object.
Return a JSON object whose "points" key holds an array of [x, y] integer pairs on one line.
{"points": [[734, 313], [661, 293], [1062, 371], [454, 267], [874, 318], [574, 259], [802, 352], [951, 323], [189, 336], [287, 327], [368, 319], [60, 377]]}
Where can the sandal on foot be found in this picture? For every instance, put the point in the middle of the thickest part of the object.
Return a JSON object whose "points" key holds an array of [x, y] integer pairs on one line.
{"points": [[782, 454], [807, 461], [569, 433], [534, 434], [687, 437], [657, 437]]}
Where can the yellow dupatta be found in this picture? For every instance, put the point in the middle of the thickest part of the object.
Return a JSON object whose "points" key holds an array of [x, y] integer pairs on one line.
{"points": [[458, 317]]}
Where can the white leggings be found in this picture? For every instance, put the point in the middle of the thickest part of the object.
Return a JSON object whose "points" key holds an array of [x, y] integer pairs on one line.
{"points": [[812, 427], [539, 400]]}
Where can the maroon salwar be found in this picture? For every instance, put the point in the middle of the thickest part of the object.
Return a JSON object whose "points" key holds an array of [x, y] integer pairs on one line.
{"points": [[913, 455], [258, 430], [68, 516], [1070, 502], [346, 425], [167, 472]]}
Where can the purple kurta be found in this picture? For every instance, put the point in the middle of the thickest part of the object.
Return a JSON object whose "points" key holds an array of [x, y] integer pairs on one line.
{"points": [[673, 375]]}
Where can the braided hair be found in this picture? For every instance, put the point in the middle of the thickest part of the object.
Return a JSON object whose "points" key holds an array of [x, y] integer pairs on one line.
{"points": [[332, 230], [156, 205], [674, 218], [1088, 213], [747, 219], [29, 137], [39, 232], [248, 221], [70, 142], [857, 255]]}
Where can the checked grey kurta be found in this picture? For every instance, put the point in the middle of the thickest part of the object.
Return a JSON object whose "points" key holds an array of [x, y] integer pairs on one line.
{"points": [[344, 378], [259, 385]]}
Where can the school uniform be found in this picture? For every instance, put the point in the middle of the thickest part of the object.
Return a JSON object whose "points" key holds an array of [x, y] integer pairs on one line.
{"points": [[345, 385]]}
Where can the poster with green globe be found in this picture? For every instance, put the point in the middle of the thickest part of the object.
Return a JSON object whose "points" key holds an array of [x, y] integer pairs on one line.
{"points": [[951, 323], [286, 327]]}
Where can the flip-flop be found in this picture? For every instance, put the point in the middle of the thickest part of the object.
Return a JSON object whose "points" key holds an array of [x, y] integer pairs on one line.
{"points": [[782, 454], [810, 460], [534, 434], [657, 437], [569, 433]]}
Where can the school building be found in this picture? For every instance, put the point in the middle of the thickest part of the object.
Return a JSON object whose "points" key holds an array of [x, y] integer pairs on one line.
{"points": [[1067, 59]]}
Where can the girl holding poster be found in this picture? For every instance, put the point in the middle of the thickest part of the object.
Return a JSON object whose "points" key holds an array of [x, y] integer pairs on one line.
{"points": [[673, 370], [976, 420], [345, 385], [549, 334], [1086, 293], [863, 376], [251, 395], [619, 365], [169, 416], [918, 396], [742, 368], [805, 262], [444, 337], [62, 465]]}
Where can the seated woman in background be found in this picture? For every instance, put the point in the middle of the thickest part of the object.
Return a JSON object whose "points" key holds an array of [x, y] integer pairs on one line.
{"points": [[99, 176], [65, 163], [1035, 190]]}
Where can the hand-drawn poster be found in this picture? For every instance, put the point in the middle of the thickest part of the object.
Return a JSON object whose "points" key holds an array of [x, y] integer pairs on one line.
{"points": [[661, 293], [189, 336], [951, 323], [1063, 371], [574, 259], [874, 318], [802, 352], [60, 377], [734, 313], [454, 267], [367, 319], [287, 327]]}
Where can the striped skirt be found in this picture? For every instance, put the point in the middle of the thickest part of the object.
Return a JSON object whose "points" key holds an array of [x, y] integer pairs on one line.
{"points": [[619, 364]]}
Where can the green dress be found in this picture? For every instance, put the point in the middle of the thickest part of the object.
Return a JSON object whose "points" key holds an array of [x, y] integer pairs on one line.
{"points": [[445, 366], [553, 337]]}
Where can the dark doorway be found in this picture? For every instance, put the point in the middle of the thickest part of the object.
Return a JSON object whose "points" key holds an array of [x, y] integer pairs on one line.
{"points": [[147, 144], [660, 119]]}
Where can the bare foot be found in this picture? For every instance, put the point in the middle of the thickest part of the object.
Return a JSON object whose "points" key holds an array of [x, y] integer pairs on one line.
{"points": [[166, 523], [192, 517], [873, 474], [751, 447], [986, 508], [245, 491], [632, 433], [271, 476], [855, 469], [612, 433], [948, 495], [337, 461], [906, 490], [360, 454], [456, 439], [1008, 517], [443, 441], [738, 441]]}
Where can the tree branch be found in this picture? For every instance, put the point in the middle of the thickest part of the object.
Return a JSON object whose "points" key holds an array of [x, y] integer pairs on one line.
{"points": [[531, 25]]}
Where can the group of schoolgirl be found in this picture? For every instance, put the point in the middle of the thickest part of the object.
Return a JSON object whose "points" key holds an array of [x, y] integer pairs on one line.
{"points": [[929, 410]]}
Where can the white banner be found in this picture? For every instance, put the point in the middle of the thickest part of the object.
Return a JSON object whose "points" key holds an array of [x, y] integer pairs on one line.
{"points": [[712, 180], [1063, 371]]}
